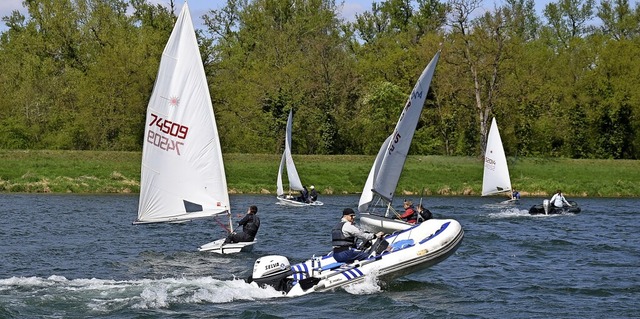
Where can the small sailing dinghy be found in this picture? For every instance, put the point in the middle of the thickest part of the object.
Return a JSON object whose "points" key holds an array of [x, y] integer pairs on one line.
{"points": [[292, 174], [495, 179], [183, 175], [396, 255], [375, 206]]}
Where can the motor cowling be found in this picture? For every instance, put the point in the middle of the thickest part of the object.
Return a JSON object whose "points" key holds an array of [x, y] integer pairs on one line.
{"points": [[545, 205], [273, 271]]}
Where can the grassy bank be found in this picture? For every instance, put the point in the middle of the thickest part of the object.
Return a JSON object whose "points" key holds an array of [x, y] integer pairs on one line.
{"points": [[119, 172]]}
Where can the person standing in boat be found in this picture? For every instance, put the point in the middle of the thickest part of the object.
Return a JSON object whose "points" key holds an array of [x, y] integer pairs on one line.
{"points": [[558, 200], [343, 238], [313, 195], [409, 214], [250, 224]]}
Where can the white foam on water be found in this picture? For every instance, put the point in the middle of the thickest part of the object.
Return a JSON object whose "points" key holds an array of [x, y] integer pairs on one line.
{"points": [[366, 287], [106, 295], [509, 213]]}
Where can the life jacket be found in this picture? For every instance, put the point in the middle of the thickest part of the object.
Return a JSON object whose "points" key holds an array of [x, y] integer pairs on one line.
{"points": [[251, 227], [412, 217], [338, 239], [425, 215]]}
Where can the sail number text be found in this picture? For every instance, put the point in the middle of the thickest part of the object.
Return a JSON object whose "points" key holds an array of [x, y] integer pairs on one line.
{"points": [[396, 139], [167, 127]]}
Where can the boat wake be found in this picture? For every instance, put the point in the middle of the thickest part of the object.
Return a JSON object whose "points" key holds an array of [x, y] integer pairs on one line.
{"points": [[368, 286], [105, 296], [509, 212]]}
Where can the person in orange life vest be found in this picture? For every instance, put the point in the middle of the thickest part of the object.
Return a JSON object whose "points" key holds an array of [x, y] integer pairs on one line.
{"points": [[409, 214]]}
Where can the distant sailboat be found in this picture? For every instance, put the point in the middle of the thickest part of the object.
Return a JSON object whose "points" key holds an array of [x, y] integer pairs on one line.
{"points": [[183, 175], [496, 178], [292, 174], [376, 211]]}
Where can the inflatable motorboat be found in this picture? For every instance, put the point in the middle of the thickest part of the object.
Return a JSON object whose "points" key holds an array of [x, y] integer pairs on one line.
{"points": [[393, 256], [547, 209]]}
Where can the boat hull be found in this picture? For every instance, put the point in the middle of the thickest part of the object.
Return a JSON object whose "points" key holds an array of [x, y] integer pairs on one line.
{"points": [[510, 202], [410, 251], [220, 247], [377, 223], [539, 209], [296, 203]]}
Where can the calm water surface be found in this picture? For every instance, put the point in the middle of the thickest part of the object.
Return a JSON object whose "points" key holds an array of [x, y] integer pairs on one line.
{"points": [[79, 256]]}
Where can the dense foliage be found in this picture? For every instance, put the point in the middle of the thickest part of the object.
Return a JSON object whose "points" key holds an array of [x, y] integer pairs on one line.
{"points": [[77, 74]]}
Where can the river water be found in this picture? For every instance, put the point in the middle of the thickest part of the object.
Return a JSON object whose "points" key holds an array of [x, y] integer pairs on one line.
{"points": [[79, 256]]}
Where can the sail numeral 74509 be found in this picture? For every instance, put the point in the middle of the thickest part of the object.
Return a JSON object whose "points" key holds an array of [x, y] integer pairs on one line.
{"points": [[167, 127]]}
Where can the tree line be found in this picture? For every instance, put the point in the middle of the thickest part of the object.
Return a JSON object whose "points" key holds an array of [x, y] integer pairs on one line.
{"points": [[77, 74]]}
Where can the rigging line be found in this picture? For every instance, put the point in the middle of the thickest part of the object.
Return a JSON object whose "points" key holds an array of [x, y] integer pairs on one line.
{"points": [[222, 225]]}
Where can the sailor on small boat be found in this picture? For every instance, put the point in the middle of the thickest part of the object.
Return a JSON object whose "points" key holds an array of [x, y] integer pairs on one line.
{"points": [[250, 224], [343, 238], [558, 200], [313, 194]]}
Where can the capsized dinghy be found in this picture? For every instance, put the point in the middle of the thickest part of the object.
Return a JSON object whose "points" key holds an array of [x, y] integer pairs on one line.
{"points": [[396, 255]]}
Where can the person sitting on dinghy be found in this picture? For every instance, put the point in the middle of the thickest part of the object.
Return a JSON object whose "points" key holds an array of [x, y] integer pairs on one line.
{"points": [[313, 195], [250, 224], [304, 195], [343, 238], [423, 213], [515, 194], [409, 214], [558, 200]]}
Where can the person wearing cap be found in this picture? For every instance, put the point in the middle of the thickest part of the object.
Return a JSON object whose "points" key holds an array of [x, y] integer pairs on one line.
{"points": [[250, 224], [313, 195], [343, 238]]}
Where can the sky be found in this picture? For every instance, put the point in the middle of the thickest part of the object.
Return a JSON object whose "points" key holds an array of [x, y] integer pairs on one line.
{"points": [[199, 7]]}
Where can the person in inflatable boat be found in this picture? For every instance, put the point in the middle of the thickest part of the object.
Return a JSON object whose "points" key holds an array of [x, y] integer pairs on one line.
{"points": [[343, 238], [558, 200]]}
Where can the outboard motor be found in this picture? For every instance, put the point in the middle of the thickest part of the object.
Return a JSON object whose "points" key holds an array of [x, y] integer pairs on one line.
{"points": [[272, 270], [545, 205]]}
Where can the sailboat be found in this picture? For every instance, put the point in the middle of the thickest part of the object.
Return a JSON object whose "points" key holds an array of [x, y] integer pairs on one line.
{"points": [[292, 174], [182, 174], [375, 205], [405, 250], [496, 178]]}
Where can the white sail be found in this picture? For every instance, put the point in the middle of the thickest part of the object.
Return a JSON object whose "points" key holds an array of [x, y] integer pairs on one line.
{"points": [[367, 192], [287, 158], [393, 161], [496, 172], [182, 174]]}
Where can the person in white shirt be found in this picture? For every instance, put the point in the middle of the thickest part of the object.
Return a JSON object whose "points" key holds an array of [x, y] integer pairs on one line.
{"points": [[558, 200]]}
